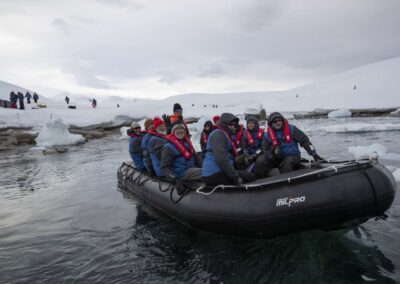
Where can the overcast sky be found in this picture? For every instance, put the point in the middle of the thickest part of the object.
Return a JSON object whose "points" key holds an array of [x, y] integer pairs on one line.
{"points": [[159, 48]]}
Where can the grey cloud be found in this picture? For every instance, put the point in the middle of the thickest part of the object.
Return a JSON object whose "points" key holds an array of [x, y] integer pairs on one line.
{"points": [[122, 4], [61, 25], [214, 71], [169, 77]]}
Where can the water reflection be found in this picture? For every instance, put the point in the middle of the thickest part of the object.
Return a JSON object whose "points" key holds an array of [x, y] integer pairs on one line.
{"points": [[168, 250]]}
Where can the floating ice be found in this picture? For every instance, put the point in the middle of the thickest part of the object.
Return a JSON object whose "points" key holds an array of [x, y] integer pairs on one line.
{"points": [[362, 127], [396, 175], [56, 133], [360, 151], [339, 113]]}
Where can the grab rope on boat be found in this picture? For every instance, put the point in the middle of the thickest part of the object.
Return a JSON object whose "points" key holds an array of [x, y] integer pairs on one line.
{"points": [[335, 168]]}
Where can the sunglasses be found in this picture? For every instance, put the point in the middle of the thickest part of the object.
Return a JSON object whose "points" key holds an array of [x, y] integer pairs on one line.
{"points": [[277, 120], [137, 127], [232, 124]]}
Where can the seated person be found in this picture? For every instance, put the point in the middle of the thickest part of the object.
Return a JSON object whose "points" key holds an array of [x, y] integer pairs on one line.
{"points": [[148, 126], [156, 142], [218, 165], [178, 156], [208, 127], [135, 139], [252, 140], [280, 147]]}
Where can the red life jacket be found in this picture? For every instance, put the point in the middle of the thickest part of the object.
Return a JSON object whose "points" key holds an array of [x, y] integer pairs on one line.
{"points": [[155, 133], [239, 135], [178, 143], [286, 134], [260, 134], [235, 153], [204, 137]]}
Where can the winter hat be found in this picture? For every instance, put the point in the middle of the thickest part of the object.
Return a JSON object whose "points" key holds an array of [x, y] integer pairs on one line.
{"points": [[208, 123], [252, 119], [157, 122], [178, 125], [216, 118], [273, 116], [177, 107], [135, 125], [148, 123]]}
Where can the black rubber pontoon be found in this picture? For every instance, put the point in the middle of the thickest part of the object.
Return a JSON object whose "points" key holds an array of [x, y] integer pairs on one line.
{"points": [[331, 196]]}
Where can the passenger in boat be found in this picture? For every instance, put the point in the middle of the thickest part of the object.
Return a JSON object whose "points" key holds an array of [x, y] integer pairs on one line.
{"points": [[252, 139], [135, 139], [148, 125], [175, 117], [216, 119], [156, 142], [280, 146], [218, 165], [208, 127], [178, 157]]}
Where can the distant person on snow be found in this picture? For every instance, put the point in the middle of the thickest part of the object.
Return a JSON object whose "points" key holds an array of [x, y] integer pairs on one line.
{"points": [[28, 97], [13, 99], [135, 138], [21, 100], [208, 127], [94, 103], [219, 162], [178, 157], [280, 147], [67, 100], [35, 97]]}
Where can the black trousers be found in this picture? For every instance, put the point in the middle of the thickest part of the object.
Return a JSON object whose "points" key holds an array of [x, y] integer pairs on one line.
{"points": [[222, 178], [264, 164]]}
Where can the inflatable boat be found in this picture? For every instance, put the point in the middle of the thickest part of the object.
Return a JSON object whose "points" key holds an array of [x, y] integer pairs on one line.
{"points": [[326, 196]]}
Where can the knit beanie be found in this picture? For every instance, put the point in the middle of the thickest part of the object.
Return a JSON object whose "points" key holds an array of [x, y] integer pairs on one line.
{"points": [[177, 125], [148, 123], [135, 125], [177, 107], [157, 122], [216, 118]]}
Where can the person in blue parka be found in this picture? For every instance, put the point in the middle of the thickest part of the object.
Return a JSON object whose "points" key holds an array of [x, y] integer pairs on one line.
{"points": [[280, 147], [178, 157], [156, 142], [219, 162], [135, 139], [252, 139]]}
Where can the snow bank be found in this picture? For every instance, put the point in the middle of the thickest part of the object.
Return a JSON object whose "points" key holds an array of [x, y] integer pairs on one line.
{"points": [[56, 133], [395, 113], [362, 127], [396, 175], [123, 133], [339, 113], [360, 151]]}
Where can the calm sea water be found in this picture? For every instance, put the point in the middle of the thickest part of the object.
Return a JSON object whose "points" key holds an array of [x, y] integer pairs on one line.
{"points": [[63, 220]]}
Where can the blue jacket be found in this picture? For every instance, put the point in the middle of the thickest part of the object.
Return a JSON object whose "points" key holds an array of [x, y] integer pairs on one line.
{"points": [[136, 152], [173, 160], [146, 156], [251, 149], [154, 149], [210, 166], [291, 149]]}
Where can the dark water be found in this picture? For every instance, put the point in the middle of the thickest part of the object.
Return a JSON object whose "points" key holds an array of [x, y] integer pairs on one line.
{"points": [[63, 220]]}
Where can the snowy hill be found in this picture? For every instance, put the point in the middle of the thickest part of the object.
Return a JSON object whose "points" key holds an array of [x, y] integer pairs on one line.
{"points": [[370, 86], [6, 88]]}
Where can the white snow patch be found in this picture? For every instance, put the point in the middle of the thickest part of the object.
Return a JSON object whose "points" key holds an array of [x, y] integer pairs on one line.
{"points": [[362, 151], [123, 133], [339, 113], [396, 175], [56, 133], [365, 278], [362, 127]]}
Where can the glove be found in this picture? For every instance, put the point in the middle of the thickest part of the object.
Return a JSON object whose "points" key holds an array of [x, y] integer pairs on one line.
{"points": [[165, 118], [241, 162], [276, 152], [238, 181], [317, 158]]}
